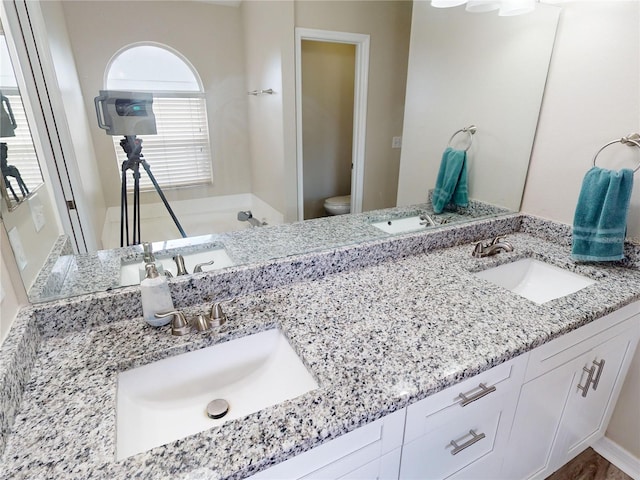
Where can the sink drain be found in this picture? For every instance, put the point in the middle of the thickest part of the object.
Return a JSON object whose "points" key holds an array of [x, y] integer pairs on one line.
{"points": [[217, 408]]}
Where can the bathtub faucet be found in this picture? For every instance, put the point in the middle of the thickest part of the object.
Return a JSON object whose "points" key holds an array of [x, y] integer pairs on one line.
{"points": [[247, 216]]}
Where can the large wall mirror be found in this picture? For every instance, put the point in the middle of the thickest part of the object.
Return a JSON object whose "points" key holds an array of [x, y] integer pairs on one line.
{"points": [[423, 83], [21, 175]]}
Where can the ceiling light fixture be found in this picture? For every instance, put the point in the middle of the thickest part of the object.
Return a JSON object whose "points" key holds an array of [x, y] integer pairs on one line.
{"points": [[506, 7]]}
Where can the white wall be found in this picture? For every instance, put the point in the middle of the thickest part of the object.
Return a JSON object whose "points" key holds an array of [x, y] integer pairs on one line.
{"points": [[592, 97], [35, 244], [477, 69], [268, 28]]}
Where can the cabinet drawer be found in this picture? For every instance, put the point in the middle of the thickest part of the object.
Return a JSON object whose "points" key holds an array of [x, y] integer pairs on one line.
{"points": [[575, 344], [429, 413], [432, 456]]}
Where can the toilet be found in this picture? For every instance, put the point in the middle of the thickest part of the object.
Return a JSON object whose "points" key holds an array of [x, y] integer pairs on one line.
{"points": [[338, 205]]}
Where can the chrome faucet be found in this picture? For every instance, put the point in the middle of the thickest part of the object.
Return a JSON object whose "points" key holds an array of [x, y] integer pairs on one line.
{"points": [[180, 325], [496, 245], [148, 256], [182, 270], [427, 220]]}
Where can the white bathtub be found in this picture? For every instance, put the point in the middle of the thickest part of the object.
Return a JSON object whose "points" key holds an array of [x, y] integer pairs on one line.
{"points": [[201, 217]]}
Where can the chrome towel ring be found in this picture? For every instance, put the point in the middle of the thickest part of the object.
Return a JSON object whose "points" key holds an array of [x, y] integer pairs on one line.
{"points": [[632, 140], [470, 130]]}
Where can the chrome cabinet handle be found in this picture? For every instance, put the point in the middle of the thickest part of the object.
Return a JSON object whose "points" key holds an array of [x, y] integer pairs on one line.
{"points": [[585, 388], [476, 437], [484, 390], [600, 366]]}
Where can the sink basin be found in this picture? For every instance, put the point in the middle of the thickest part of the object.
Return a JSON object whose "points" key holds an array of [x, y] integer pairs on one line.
{"points": [[132, 273], [167, 400], [535, 280], [402, 225]]}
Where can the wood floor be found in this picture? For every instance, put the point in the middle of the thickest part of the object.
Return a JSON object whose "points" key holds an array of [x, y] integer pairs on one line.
{"points": [[589, 466]]}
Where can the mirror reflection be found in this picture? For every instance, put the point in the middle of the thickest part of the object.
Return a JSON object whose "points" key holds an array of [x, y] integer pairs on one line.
{"points": [[20, 169], [239, 149]]}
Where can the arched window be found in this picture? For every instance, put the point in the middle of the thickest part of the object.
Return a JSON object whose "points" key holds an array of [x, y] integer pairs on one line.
{"points": [[179, 153]]}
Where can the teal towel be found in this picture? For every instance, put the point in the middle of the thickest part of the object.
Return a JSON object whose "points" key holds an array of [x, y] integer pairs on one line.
{"points": [[600, 221], [451, 184]]}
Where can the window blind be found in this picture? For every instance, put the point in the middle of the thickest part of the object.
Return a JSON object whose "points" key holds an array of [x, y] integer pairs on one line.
{"points": [[20, 151], [179, 154]]}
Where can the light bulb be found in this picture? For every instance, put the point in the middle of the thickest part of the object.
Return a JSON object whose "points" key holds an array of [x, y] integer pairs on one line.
{"points": [[516, 7], [482, 5], [447, 3]]}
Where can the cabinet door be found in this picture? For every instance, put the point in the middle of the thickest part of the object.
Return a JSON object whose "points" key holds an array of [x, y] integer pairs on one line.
{"points": [[554, 421], [590, 404], [535, 426]]}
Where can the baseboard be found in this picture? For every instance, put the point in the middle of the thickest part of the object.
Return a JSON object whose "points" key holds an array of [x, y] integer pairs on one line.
{"points": [[617, 455]]}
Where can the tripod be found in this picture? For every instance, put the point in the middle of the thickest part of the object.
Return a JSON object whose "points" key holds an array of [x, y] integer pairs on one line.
{"points": [[11, 171], [132, 147]]}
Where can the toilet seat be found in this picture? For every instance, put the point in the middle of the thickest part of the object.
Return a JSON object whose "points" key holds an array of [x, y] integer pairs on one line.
{"points": [[340, 201], [338, 205]]}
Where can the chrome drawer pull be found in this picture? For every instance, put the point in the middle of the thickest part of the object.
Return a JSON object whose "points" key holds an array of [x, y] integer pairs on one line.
{"points": [[484, 390], [458, 448], [600, 366], [590, 372]]}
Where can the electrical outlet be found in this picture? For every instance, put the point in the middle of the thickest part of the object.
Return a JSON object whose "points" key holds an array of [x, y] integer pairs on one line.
{"points": [[396, 142]]}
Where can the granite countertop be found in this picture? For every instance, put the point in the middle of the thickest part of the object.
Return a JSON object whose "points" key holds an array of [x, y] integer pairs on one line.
{"points": [[66, 274], [377, 339]]}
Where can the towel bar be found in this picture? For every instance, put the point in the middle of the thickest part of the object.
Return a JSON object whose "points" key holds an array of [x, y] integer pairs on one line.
{"points": [[268, 91], [470, 130], [632, 140]]}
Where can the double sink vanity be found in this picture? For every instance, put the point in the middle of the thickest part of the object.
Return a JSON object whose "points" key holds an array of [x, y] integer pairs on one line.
{"points": [[402, 356]]}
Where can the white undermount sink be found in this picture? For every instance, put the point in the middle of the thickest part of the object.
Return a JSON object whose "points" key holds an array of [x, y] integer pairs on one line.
{"points": [[538, 281], [402, 225], [167, 400], [132, 273]]}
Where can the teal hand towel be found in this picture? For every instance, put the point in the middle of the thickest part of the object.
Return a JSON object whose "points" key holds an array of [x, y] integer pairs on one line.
{"points": [[451, 184], [600, 220]]}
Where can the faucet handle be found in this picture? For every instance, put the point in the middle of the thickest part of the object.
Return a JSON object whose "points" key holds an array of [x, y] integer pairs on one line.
{"points": [[198, 267], [498, 239], [179, 324], [478, 250], [217, 317]]}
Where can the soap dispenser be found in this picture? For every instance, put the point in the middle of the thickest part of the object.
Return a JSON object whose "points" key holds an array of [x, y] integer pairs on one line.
{"points": [[156, 297]]}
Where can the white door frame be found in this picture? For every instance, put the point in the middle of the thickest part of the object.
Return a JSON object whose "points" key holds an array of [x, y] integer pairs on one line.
{"points": [[361, 41]]}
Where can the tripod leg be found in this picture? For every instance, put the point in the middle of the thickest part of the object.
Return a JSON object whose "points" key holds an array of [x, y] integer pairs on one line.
{"points": [[10, 187], [164, 199], [124, 212], [136, 204]]}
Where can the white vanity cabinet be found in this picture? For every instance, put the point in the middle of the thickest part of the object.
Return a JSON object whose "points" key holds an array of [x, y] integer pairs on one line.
{"points": [[519, 420], [462, 431], [571, 387]]}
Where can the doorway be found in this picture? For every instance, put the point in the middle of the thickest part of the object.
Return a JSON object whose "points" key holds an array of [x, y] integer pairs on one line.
{"points": [[332, 69]]}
